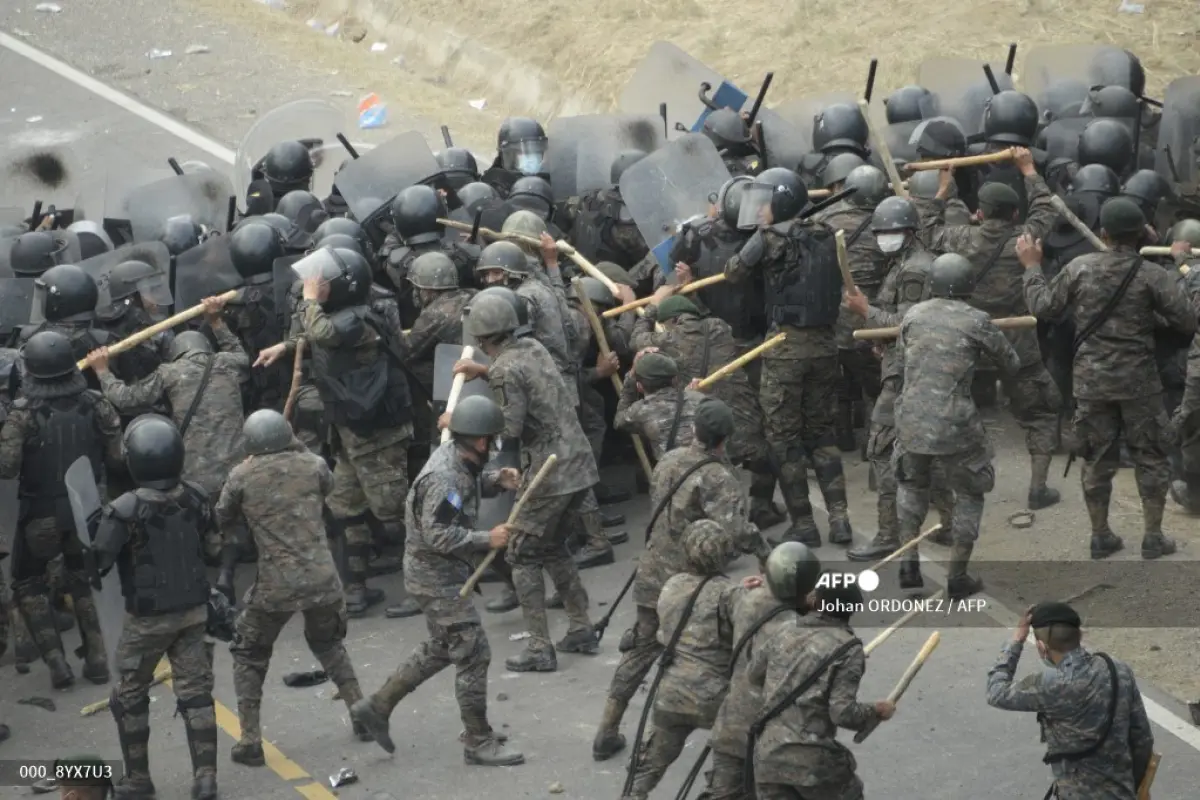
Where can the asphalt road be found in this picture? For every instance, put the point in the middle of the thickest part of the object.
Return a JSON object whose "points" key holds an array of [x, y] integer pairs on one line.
{"points": [[945, 743]]}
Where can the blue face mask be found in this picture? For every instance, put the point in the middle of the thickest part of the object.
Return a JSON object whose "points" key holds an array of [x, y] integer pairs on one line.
{"points": [[529, 163]]}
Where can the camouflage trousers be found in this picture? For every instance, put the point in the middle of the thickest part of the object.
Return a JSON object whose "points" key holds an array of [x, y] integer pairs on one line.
{"points": [[1035, 402], [799, 403], [180, 637], [639, 650], [727, 779], [664, 743], [43, 540], [12, 621], [591, 418], [456, 637], [1143, 425], [839, 791], [254, 637], [968, 474], [543, 528]]}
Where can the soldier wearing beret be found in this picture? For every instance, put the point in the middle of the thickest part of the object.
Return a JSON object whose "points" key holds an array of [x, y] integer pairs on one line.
{"points": [[663, 415]]}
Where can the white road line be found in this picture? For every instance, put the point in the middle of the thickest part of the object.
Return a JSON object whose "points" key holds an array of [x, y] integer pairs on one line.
{"points": [[119, 99], [1164, 717]]}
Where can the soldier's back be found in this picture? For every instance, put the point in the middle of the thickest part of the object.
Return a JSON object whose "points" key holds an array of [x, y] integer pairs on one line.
{"points": [[698, 678]]}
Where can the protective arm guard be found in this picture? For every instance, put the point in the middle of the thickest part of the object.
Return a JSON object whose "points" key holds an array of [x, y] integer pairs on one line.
{"points": [[113, 534], [751, 254]]}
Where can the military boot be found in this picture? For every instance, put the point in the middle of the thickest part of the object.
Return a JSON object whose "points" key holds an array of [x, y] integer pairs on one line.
{"points": [[846, 441], [886, 540], [95, 663], [596, 551], [359, 598], [367, 717], [1040, 495], [507, 601], [1104, 542], [616, 537], [384, 564], [579, 641], [405, 608], [763, 511], [201, 726], [351, 693], [25, 651], [482, 747], [371, 714], [832, 481], [609, 741], [910, 571], [133, 734], [249, 749], [607, 495], [611, 519], [1154, 543], [959, 584], [39, 619], [794, 483]]}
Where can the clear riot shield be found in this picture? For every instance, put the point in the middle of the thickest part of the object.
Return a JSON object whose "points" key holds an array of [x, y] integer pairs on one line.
{"points": [[565, 136], [315, 122], [6, 243], [801, 114], [370, 182], [669, 75], [670, 186], [784, 143], [100, 268], [285, 278], [959, 89], [1054, 73], [204, 196], [1179, 132], [12, 220], [84, 497], [610, 135], [204, 271], [16, 304], [52, 175]]}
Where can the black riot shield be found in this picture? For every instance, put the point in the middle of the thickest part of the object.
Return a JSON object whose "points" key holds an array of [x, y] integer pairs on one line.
{"points": [[84, 497], [1179, 134], [100, 268], [801, 114], [669, 75], [676, 183], [16, 304], [565, 136], [204, 271], [204, 196], [444, 358], [312, 121], [959, 89], [369, 183]]}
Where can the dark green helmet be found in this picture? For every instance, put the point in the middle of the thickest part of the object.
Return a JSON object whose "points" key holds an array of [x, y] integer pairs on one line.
{"points": [[434, 270], [792, 572], [266, 431], [924, 184], [504, 256], [525, 223], [477, 416], [598, 293], [189, 342], [951, 275], [1186, 230], [490, 315], [870, 183]]}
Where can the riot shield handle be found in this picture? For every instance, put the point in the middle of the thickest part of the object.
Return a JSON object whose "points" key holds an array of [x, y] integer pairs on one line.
{"points": [[1171, 162], [679, 126], [761, 138], [346, 144], [174, 165], [36, 216], [1012, 59], [230, 215], [705, 88], [474, 237], [871, 70], [662, 112], [991, 77], [446, 136], [758, 101]]}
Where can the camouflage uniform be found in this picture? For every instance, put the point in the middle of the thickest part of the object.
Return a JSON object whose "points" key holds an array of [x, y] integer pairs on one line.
{"points": [[991, 248], [654, 416], [1186, 422], [1116, 382], [278, 496], [620, 240], [937, 213], [1072, 702], [538, 411], [440, 322], [743, 703], [798, 754], [941, 343], [548, 317], [395, 259], [43, 537]]}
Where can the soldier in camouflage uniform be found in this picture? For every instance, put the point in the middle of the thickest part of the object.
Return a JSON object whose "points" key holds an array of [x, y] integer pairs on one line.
{"points": [[701, 345], [274, 498], [24, 649], [759, 615], [924, 188], [599, 224], [663, 416], [1185, 490], [797, 754], [1117, 387], [691, 483], [942, 341], [540, 419], [1072, 697], [442, 543], [154, 537], [55, 405], [990, 246], [694, 682]]}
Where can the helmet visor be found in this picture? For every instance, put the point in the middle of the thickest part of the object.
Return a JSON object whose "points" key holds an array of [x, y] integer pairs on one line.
{"points": [[525, 157], [756, 206], [323, 263]]}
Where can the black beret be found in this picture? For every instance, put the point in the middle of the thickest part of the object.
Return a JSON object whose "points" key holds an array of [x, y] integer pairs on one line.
{"points": [[714, 418], [1054, 613]]}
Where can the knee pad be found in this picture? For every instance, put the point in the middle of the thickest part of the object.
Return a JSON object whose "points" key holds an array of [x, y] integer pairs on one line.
{"points": [[202, 700], [119, 711]]}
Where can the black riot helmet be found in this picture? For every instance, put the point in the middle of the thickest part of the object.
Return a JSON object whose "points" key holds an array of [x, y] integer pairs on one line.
{"points": [[293, 204], [458, 166], [48, 355], [533, 193], [288, 166], [338, 225], [340, 241], [415, 214], [1107, 142], [895, 214], [1113, 67], [1110, 101], [1147, 188], [624, 160], [476, 194], [951, 275], [729, 199], [66, 291], [840, 126], [254, 246], [904, 104], [1098, 179], [93, 239], [521, 143], [180, 234], [35, 252], [349, 282], [870, 185], [511, 297], [134, 277], [726, 129], [838, 167], [779, 190], [154, 452], [1010, 118]]}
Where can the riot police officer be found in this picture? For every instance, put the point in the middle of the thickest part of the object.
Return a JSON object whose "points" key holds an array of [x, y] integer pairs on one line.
{"points": [[907, 104], [520, 150], [726, 129], [68, 296], [139, 293], [601, 227], [1107, 142], [154, 535], [35, 252], [840, 128], [54, 422], [253, 248], [287, 166], [1010, 119], [533, 193], [458, 166]]}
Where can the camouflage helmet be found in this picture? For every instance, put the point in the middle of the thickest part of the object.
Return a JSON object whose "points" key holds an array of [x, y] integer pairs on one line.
{"points": [[476, 416], [189, 342], [266, 431], [924, 184], [707, 547], [525, 223], [598, 293], [433, 270], [504, 256], [1186, 230], [792, 572], [490, 315], [871, 185], [951, 275]]}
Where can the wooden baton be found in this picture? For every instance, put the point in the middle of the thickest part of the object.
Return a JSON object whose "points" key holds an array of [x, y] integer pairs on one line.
{"points": [[133, 340], [1165, 251], [844, 262], [898, 624], [469, 586], [962, 161], [1148, 778], [293, 394], [742, 360], [904, 548], [905, 681], [589, 311], [1077, 223], [885, 154], [687, 288], [456, 388], [1003, 323], [162, 674]]}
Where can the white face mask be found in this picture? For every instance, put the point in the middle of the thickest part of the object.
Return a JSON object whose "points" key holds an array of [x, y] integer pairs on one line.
{"points": [[890, 242]]}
